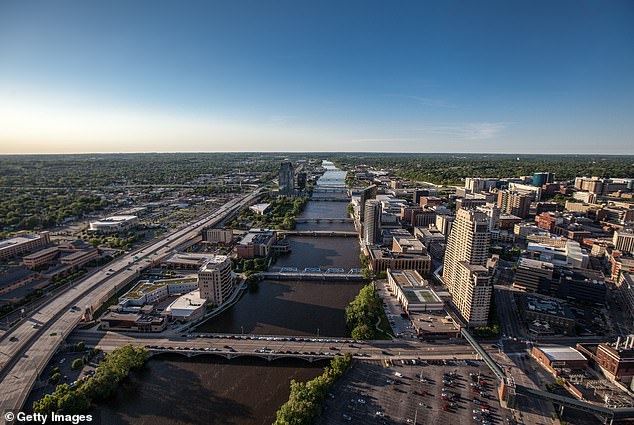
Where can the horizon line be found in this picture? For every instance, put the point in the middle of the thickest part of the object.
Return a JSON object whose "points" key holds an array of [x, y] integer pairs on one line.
{"points": [[314, 152]]}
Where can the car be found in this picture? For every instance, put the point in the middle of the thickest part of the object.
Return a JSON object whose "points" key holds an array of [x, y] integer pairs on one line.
{"points": [[347, 417]]}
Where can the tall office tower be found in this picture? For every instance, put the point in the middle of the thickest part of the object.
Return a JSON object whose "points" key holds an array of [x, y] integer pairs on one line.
{"points": [[366, 194], [540, 179], [301, 180], [372, 222], [216, 280], [287, 177], [418, 193], [464, 270], [493, 213], [514, 203]]}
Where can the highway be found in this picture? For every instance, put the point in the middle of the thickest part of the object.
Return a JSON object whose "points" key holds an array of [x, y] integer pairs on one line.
{"points": [[26, 349], [277, 346]]}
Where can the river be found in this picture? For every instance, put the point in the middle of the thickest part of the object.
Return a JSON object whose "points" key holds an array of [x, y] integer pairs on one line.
{"points": [[175, 390]]}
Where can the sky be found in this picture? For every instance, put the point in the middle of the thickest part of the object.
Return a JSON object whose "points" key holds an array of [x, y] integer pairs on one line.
{"points": [[538, 76]]}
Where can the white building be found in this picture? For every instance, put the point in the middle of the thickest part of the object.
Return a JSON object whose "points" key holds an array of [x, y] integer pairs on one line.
{"points": [[464, 271], [623, 240], [114, 224], [216, 281]]}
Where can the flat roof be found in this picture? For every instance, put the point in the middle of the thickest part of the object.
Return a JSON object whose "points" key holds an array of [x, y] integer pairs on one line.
{"points": [[186, 304], [115, 219], [561, 353], [41, 252], [18, 240]]}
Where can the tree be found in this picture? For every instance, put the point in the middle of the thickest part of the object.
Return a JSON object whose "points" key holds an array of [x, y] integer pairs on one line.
{"points": [[54, 378], [77, 363], [362, 332]]}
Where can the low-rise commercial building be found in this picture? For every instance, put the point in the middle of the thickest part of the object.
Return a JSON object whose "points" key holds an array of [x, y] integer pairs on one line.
{"points": [[77, 258], [616, 360], [214, 235], [22, 244], [558, 359], [188, 307], [538, 311], [413, 292], [114, 224], [186, 261], [256, 243], [429, 235], [40, 258], [132, 322], [382, 259], [12, 278], [146, 292], [570, 254], [533, 275], [260, 209]]}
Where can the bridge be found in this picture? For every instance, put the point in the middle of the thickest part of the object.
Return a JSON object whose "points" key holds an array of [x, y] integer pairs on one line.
{"points": [[313, 273], [323, 220], [272, 347], [329, 199], [319, 233], [330, 189]]}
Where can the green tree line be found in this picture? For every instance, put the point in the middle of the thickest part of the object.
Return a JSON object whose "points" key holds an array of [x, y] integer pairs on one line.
{"points": [[77, 399], [306, 398]]}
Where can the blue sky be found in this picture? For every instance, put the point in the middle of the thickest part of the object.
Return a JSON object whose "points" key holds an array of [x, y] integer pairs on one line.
{"points": [[450, 76]]}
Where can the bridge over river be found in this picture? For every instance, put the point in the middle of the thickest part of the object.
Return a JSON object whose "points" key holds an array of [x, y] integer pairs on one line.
{"points": [[275, 347], [323, 220], [319, 233], [313, 273]]}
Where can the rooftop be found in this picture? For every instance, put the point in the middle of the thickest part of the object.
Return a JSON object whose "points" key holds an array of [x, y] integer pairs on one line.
{"points": [[18, 240], [561, 353]]}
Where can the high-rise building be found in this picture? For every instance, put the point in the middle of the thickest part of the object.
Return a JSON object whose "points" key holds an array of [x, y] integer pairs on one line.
{"points": [[418, 193], [301, 180], [514, 203], [366, 194], [372, 222], [287, 179], [493, 213], [216, 280], [540, 179], [623, 239], [464, 270]]}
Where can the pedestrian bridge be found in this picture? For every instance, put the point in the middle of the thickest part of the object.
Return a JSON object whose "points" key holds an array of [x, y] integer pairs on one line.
{"points": [[329, 199], [313, 273], [319, 233], [325, 188], [323, 220]]}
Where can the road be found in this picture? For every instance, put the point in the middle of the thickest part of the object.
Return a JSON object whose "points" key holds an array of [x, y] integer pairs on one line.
{"points": [[240, 345], [506, 306], [27, 348]]}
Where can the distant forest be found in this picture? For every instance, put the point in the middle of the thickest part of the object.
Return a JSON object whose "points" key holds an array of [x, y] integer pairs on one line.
{"points": [[453, 168]]}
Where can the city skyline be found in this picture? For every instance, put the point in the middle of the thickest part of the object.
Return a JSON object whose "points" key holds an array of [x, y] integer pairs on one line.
{"points": [[496, 77]]}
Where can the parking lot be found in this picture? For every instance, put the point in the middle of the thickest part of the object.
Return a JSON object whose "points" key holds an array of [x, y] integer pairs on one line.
{"points": [[401, 326], [373, 392]]}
